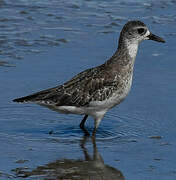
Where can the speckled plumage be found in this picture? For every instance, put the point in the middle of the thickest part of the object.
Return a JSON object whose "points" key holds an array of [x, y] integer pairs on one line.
{"points": [[94, 91]]}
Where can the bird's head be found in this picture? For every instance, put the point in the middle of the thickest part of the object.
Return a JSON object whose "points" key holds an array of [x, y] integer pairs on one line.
{"points": [[137, 31]]}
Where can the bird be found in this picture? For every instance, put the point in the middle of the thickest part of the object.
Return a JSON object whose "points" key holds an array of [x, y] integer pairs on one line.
{"points": [[94, 91]]}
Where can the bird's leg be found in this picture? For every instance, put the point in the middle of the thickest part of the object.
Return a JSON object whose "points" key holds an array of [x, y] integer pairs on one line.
{"points": [[96, 124], [83, 122], [82, 126]]}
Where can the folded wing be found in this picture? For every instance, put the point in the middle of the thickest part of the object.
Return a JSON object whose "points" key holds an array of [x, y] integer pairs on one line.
{"points": [[89, 85]]}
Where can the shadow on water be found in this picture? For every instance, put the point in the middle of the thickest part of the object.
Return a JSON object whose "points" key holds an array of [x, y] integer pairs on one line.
{"points": [[91, 167]]}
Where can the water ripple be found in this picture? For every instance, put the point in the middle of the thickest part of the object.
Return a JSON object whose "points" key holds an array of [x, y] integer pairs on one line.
{"points": [[32, 19]]}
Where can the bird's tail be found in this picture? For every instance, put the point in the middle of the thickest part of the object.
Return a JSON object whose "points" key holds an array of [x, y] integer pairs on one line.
{"points": [[34, 97], [29, 98]]}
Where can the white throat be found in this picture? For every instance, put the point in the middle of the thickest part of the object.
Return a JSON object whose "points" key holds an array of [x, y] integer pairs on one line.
{"points": [[132, 48]]}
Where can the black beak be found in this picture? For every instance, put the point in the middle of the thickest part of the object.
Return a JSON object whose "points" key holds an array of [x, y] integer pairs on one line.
{"points": [[156, 38]]}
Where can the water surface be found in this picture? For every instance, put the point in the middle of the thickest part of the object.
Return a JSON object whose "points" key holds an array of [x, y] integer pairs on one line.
{"points": [[44, 43]]}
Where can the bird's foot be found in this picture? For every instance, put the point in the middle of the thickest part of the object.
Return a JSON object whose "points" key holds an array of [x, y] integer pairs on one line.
{"points": [[86, 133]]}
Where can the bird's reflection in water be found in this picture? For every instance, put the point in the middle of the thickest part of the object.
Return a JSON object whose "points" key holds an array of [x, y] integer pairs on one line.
{"points": [[91, 168]]}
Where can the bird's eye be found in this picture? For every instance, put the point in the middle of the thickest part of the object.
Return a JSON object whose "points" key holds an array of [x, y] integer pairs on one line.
{"points": [[140, 30]]}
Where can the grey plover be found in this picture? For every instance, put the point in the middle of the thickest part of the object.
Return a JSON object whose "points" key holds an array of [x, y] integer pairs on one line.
{"points": [[94, 91]]}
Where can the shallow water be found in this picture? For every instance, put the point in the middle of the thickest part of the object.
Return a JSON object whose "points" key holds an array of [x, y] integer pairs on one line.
{"points": [[44, 43]]}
